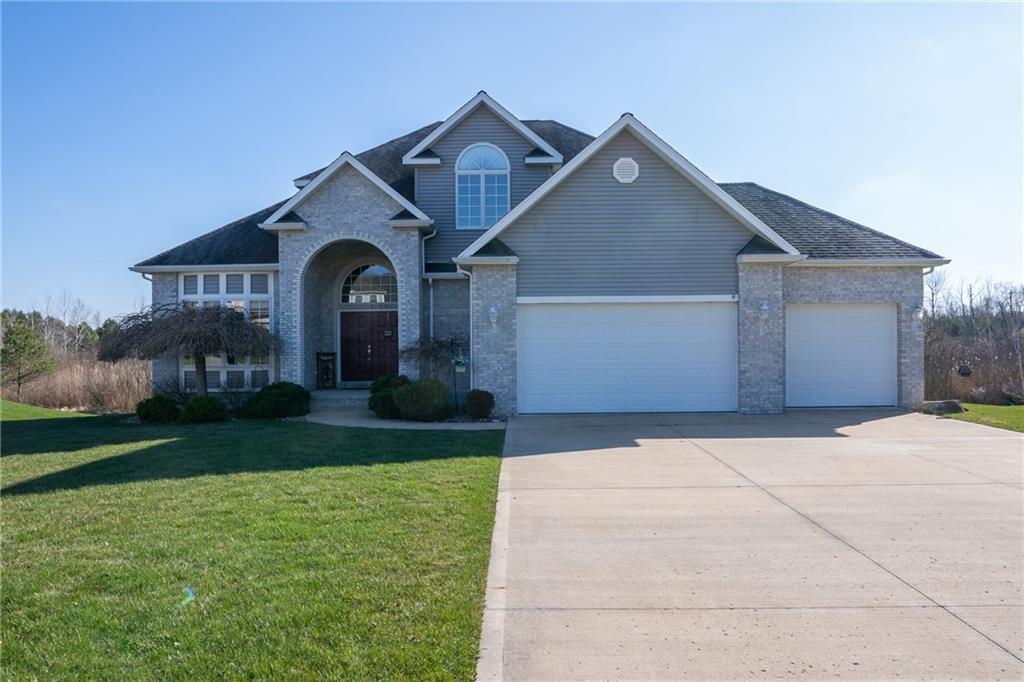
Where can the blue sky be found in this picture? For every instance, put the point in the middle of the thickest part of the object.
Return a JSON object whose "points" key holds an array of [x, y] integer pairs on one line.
{"points": [[129, 128]]}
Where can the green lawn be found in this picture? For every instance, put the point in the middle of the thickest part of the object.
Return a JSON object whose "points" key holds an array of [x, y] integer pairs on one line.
{"points": [[1000, 416], [313, 551]]}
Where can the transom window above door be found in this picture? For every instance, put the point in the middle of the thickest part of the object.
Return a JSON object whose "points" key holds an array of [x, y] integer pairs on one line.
{"points": [[481, 187], [370, 287]]}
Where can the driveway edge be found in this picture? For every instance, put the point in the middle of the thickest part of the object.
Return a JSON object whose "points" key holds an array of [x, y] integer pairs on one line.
{"points": [[491, 659]]}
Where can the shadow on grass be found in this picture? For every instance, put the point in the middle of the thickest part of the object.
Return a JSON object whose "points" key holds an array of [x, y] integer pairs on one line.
{"points": [[219, 449]]}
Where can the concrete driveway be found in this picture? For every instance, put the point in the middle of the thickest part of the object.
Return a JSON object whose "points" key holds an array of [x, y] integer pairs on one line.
{"points": [[814, 544]]}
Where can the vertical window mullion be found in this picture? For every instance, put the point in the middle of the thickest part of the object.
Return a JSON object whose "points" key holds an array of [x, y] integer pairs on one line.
{"points": [[483, 201]]}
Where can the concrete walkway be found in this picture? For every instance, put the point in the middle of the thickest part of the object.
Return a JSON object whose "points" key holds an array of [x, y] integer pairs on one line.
{"points": [[843, 544]]}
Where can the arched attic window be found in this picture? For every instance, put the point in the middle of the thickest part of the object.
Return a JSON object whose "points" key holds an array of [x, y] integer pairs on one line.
{"points": [[371, 286], [481, 187]]}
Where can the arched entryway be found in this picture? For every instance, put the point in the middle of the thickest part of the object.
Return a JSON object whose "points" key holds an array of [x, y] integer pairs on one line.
{"points": [[350, 310]]}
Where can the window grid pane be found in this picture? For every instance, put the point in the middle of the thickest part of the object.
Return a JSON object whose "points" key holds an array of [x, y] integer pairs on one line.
{"points": [[260, 378], [191, 285], [258, 284], [234, 284], [211, 284], [235, 378]]}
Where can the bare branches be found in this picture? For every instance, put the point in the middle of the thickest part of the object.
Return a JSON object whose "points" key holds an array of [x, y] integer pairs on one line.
{"points": [[185, 330], [975, 326]]}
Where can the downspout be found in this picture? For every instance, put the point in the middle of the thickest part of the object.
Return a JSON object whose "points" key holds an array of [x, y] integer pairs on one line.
{"points": [[472, 360]]}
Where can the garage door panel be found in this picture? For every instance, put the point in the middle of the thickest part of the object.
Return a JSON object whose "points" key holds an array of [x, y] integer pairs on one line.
{"points": [[840, 355], [627, 357]]}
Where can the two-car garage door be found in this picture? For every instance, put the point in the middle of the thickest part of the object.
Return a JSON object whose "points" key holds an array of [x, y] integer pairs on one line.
{"points": [[682, 357], [627, 357]]}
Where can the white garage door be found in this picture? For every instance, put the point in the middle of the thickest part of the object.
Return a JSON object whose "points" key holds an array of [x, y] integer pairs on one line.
{"points": [[627, 357], [840, 355]]}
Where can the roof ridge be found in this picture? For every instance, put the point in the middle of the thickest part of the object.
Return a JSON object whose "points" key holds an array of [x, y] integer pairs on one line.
{"points": [[555, 120], [853, 223], [226, 226]]}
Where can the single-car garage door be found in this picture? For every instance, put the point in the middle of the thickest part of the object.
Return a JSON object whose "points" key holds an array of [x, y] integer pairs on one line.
{"points": [[627, 357], [840, 355]]}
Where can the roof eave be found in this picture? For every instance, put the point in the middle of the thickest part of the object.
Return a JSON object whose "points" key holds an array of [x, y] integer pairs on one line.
{"points": [[280, 227], [872, 262], [217, 267]]}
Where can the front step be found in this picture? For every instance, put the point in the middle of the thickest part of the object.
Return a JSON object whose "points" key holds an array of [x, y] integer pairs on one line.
{"points": [[338, 399]]}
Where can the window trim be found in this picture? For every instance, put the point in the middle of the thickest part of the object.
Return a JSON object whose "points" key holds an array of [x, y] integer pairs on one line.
{"points": [[481, 174]]}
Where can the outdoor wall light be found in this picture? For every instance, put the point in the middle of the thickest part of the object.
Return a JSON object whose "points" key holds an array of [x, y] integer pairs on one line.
{"points": [[918, 313], [493, 312]]}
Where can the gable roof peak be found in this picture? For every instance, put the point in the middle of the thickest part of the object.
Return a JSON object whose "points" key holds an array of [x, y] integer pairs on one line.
{"points": [[481, 99], [346, 159], [667, 154]]}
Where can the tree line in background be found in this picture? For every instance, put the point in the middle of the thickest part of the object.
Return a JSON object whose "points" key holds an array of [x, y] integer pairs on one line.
{"points": [[49, 359], [974, 336]]}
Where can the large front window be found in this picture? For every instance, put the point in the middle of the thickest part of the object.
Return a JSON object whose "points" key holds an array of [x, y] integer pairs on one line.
{"points": [[247, 292], [481, 187]]}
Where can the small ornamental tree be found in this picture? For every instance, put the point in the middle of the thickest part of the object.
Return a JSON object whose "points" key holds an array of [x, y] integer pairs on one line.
{"points": [[186, 329], [24, 355]]}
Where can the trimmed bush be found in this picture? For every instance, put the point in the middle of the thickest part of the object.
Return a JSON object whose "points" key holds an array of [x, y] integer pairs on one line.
{"points": [[157, 410], [382, 392], [425, 400], [203, 410], [388, 382], [479, 404], [283, 399]]}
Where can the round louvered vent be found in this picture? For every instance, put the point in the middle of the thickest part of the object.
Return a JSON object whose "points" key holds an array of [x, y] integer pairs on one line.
{"points": [[625, 170]]}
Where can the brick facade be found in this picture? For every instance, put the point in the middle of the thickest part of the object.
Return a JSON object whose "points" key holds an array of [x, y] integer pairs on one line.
{"points": [[493, 306], [761, 322], [903, 286], [762, 331], [348, 207], [165, 292]]}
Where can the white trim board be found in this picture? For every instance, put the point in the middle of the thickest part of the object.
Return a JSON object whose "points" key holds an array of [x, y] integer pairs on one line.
{"points": [[667, 154], [768, 258], [346, 159], [697, 298], [487, 260], [482, 98], [255, 267]]}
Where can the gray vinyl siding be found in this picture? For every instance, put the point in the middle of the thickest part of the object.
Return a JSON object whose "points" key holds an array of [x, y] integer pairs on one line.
{"points": [[593, 236], [435, 185]]}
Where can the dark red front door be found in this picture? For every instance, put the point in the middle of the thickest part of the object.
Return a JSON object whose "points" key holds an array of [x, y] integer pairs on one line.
{"points": [[369, 344]]}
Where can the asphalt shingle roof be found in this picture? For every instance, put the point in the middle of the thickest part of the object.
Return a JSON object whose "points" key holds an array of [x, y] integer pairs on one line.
{"points": [[240, 242], [814, 232]]}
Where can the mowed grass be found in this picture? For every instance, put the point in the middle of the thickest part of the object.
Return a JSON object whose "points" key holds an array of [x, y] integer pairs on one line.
{"points": [[313, 551], [1000, 416]]}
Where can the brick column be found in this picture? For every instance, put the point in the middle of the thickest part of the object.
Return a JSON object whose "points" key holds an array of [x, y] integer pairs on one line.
{"points": [[762, 340], [493, 323], [165, 367]]}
